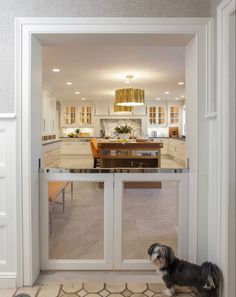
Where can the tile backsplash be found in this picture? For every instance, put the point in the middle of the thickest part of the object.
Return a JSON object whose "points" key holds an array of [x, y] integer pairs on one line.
{"points": [[109, 125]]}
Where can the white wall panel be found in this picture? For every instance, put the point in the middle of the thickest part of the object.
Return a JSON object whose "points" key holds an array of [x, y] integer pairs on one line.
{"points": [[7, 203], [3, 195]]}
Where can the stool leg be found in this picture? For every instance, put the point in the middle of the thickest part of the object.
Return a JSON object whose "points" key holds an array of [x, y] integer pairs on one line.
{"points": [[63, 200], [72, 190]]}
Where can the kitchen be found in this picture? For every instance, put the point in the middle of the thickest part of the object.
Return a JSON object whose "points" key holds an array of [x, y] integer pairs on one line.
{"points": [[74, 113]]}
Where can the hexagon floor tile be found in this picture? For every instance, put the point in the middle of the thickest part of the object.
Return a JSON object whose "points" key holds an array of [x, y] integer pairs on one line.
{"points": [[95, 290]]}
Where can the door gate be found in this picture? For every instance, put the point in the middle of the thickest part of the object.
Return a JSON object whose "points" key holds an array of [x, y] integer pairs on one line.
{"points": [[106, 221]]}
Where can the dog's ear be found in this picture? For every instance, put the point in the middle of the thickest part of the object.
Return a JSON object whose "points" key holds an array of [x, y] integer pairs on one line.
{"points": [[170, 255], [151, 248]]}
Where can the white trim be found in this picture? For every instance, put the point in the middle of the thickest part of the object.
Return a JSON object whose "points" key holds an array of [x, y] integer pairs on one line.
{"points": [[224, 9], [7, 115], [183, 234], [102, 264], [25, 27]]}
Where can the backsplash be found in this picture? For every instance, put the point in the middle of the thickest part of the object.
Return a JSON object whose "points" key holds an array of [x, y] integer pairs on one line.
{"points": [[66, 131], [108, 126]]}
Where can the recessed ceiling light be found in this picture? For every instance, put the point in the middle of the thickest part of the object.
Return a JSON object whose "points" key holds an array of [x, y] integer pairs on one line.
{"points": [[182, 96], [180, 83], [158, 98], [167, 92], [56, 70], [83, 99], [176, 98], [69, 83], [77, 92]]}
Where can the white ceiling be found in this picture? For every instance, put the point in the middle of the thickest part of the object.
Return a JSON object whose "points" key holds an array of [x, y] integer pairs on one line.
{"points": [[97, 64]]}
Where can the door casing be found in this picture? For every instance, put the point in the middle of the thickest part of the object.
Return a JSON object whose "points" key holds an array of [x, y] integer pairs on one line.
{"points": [[26, 28]]}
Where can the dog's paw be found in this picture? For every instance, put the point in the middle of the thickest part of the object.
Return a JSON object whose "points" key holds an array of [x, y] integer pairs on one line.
{"points": [[169, 292]]}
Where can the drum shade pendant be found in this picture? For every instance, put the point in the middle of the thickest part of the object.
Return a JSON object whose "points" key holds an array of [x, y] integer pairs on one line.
{"points": [[120, 108], [129, 97]]}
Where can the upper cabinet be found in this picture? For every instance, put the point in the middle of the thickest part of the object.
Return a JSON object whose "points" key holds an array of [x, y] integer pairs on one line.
{"points": [[75, 115], [69, 115], [85, 115], [157, 115], [174, 114], [48, 112]]}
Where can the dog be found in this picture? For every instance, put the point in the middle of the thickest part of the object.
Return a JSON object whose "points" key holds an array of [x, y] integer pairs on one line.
{"points": [[206, 278]]}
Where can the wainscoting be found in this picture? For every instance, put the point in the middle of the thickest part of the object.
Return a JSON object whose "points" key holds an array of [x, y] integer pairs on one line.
{"points": [[7, 203]]}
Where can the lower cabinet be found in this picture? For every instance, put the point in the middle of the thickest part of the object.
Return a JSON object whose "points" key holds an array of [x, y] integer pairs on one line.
{"points": [[177, 149], [75, 148], [51, 154]]}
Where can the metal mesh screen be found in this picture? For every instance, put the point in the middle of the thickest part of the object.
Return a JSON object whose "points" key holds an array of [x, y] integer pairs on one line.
{"points": [[76, 220], [150, 214]]}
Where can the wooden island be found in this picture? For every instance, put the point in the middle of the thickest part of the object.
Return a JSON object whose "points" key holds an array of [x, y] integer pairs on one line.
{"points": [[130, 154]]}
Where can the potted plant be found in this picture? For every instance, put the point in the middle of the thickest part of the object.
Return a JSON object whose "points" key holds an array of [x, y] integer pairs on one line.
{"points": [[77, 132], [123, 131]]}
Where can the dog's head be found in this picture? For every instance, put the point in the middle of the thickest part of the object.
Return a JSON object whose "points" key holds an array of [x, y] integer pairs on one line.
{"points": [[161, 255]]}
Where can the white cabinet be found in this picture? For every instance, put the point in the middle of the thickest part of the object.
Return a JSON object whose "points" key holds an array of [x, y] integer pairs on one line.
{"points": [[85, 115], [69, 115], [101, 108], [51, 154], [165, 149], [75, 147], [174, 115], [157, 115], [48, 113], [177, 149]]}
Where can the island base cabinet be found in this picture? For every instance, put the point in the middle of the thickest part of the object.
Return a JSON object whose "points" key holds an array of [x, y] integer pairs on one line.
{"points": [[76, 148]]}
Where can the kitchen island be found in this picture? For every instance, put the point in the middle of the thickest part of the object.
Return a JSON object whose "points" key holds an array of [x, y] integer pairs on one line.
{"points": [[130, 154]]}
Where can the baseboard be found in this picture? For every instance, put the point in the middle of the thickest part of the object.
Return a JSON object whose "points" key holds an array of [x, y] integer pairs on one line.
{"points": [[7, 280]]}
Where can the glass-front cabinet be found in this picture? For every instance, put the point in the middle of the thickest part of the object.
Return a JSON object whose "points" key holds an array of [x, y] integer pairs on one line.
{"points": [[174, 115], [157, 115], [85, 115], [69, 115]]}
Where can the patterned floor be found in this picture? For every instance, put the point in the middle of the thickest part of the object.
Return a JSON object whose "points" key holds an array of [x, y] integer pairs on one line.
{"points": [[94, 290]]}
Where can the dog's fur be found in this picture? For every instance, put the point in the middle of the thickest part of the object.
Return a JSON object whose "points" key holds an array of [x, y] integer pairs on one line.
{"points": [[206, 278]]}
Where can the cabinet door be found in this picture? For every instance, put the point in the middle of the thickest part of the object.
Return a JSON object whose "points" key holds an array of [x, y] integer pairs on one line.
{"points": [[174, 115], [161, 115], [89, 115], [152, 115]]}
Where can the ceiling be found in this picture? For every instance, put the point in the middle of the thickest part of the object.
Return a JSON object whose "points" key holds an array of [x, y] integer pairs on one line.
{"points": [[97, 64]]}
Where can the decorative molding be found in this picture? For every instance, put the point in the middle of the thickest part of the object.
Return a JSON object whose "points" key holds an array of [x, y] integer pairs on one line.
{"points": [[7, 116], [224, 10], [25, 28]]}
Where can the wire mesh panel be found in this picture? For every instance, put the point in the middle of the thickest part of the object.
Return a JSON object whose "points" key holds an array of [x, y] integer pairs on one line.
{"points": [[149, 215], [76, 220]]}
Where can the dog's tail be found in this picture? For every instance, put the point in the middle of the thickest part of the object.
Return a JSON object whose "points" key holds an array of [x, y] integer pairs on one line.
{"points": [[212, 276]]}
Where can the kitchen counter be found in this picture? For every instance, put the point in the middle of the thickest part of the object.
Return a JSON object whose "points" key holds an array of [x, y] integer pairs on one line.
{"points": [[166, 137]]}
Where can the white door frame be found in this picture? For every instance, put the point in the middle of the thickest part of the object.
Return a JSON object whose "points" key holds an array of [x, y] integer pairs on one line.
{"points": [[224, 10], [201, 28]]}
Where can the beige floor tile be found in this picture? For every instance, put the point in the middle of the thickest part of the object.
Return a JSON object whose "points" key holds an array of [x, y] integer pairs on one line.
{"points": [[138, 295], [7, 292], [82, 293], [104, 293], [115, 295], [137, 287], [149, 293], [72, 288], [93, 295], [31, 291], [68, 295], [93, 287], [115, 288], [49, 291], [156, 288], [127, 293]]}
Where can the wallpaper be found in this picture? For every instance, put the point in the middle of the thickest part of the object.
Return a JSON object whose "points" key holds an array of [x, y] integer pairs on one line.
{"points": [[9, 9]]}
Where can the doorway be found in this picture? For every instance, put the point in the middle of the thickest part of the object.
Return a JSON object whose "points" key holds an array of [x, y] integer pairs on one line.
{"points": [[196, 91]]}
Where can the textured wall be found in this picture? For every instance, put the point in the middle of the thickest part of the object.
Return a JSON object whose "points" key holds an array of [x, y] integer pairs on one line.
{"points": [[67, 8]]}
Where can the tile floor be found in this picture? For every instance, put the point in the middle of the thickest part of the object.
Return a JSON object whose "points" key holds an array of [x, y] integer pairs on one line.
{"points": [[94, 290]]}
